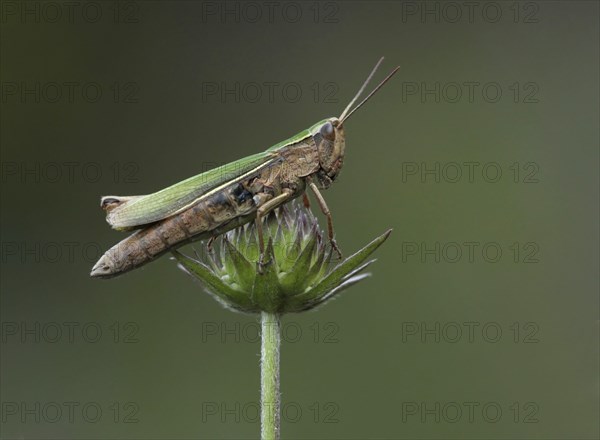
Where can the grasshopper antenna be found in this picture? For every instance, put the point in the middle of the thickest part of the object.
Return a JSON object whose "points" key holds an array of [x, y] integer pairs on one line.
{"points": [[362, 89], [346, 114]]}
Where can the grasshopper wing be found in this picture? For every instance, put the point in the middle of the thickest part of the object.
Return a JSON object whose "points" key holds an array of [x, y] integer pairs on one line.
{"points": [[108, 203], [129, 212]]}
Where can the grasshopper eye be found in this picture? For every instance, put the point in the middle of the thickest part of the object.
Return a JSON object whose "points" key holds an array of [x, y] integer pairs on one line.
{"points": [[327, 131]]}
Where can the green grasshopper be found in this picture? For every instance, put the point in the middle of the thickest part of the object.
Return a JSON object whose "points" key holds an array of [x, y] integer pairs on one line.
{"points": [[219, 200]]}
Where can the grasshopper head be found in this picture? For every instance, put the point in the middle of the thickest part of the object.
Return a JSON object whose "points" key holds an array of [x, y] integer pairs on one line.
{"points": [[330, 140]]}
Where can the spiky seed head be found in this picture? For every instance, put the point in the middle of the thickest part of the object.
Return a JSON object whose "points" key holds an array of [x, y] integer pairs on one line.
{"points": [[297, 272]]}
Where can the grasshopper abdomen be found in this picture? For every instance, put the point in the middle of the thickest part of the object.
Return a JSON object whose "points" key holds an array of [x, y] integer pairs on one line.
{"points": [[214, 215]]}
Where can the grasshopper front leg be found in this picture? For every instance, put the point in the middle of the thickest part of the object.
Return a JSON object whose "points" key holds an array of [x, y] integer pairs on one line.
{"points": [[327, 213], [306, 201], [262, 211]]}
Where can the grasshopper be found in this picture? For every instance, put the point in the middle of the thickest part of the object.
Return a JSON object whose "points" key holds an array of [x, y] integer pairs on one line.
{"points": [[222, 199]]}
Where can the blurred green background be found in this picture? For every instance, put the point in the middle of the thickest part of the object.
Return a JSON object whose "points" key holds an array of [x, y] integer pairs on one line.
{"points": [[436, 345]]}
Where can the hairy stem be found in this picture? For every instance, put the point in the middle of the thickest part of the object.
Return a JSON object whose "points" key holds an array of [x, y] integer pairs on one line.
{"points": [[269, 376]]}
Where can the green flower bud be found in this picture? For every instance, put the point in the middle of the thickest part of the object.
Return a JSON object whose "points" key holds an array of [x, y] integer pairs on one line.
{"points": [[297, 273]]}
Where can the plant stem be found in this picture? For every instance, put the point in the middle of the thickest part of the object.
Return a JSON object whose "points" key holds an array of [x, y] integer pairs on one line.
{"points": [[269, 375]]}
